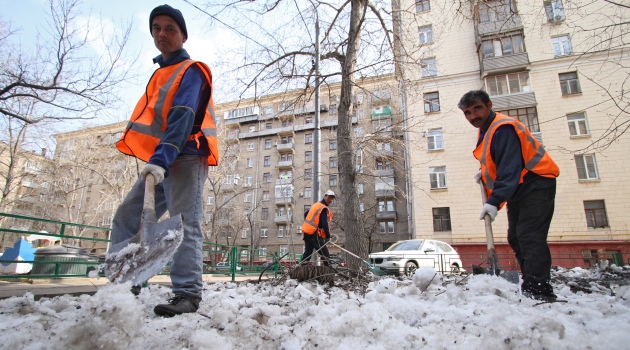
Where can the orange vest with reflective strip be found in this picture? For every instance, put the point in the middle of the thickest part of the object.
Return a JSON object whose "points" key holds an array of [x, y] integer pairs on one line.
{"points": [[311, 223], [536, 159], [148, 121]]}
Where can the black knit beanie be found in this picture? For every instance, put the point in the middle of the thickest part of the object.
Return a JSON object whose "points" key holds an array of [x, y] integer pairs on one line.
{"points": [[175, 14]]}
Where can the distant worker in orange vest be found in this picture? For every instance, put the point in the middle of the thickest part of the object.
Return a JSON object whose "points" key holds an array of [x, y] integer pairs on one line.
{"points": [[173, 129], [316, 228], [516, 169]]}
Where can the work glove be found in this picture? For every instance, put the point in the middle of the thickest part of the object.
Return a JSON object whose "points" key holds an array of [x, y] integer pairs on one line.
{"points": [[477, 177], [155, 170], [489, 209]]}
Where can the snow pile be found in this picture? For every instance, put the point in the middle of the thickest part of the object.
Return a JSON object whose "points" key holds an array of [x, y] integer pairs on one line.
{"points": [[429, 310]]}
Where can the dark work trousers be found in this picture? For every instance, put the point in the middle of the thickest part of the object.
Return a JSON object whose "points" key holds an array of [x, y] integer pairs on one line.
{"points": [[314, 242], [528, 226]]}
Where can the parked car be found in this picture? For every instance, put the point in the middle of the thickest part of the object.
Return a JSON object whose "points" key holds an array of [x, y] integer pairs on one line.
{"points": [[404, 257], [224, 265]]}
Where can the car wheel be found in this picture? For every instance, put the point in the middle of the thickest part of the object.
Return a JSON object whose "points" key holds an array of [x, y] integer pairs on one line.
{"points": [[455, 270], [410, 268]]}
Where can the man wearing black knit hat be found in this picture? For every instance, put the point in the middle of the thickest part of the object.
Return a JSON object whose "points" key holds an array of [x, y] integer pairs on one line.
{"points": [[173, 129]]}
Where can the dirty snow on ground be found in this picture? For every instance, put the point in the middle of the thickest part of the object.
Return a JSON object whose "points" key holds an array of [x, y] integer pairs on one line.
{"points": [[427, 311]]}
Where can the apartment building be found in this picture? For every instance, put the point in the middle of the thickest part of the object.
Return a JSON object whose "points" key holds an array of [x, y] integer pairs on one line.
{"points": [[540, 64]]}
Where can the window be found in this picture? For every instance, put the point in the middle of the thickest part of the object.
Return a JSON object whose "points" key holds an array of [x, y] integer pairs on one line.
{"points": [[333, 181], [265, 195], [267, 161], [561, 45], [267, 177], [262, 251], [286, 123], [435, 139], [384, 146], [360, 97], [554, 11], [286, 140], [308, 138], [333, 109], [267, 143], [268, 125], [362, 208], [595, 214], [332, 162], [252, 128], [308, 156], [437, 176], [244, 233], [308, 192], [250, 162], [495, 10], [586, 166], [386, 227], [426, 34], [308, 120], [503, 46], [286, 157], [527, 116], [569, 83], [577, 124], [422, 5], [264, 213], [386, 205], [441, 219], [308, 174], [210, 200], [429, 69], [359, 189], [358, 132], [250, 146], [263, 232], [508, 84], [381, 125], [383, 165], [332, 144], [284, 249], [384, 183], [248, 197], [281, 231], [248, 180], [360, 114], [431, 102], [269, 110]]}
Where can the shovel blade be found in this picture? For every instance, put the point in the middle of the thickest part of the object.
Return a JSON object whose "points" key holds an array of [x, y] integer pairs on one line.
{"points": [[144, 255], [511, 276]]}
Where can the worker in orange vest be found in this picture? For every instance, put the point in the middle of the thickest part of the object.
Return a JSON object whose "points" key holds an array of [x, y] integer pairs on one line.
{"points": [[316, 228], [173, 129], [516, 169]]}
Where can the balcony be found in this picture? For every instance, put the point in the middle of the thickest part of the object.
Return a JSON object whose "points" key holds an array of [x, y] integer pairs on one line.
{"points": [[232, 136], [241, 120], [386, 215], [284, 200], [519, 100], [504, 64], [228, 187], [383, 172], [379, 193], [284, 164], [284, 147], [281, 219], [284, 182], [513, 22]]}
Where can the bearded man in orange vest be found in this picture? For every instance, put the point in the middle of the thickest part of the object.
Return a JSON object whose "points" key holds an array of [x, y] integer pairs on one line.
{"points": [[516, 169], [316, 228], [173, 129]]}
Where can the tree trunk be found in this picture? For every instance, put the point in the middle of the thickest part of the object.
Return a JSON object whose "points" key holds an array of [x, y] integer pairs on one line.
{"points": [[356, 241]]}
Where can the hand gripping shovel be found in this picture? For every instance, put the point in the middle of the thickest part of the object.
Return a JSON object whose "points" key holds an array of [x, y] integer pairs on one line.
{"points": [[144, 255], [493, 259]]}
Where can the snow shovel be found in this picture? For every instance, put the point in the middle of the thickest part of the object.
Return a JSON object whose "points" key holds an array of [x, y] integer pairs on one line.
{"points": [[493, 259], [144, 255], [373, 269]]}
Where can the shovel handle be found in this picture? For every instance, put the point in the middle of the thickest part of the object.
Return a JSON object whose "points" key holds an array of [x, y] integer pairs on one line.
{"points": [[148, 209], [493, 260]]}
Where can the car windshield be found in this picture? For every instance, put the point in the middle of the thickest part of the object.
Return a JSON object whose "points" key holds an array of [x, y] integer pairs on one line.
{"points": [[405, 245]]}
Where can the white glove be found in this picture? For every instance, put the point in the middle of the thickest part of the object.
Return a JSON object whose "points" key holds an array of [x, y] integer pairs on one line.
{"points": [[155, 170], [477, 177], [489, 209]]}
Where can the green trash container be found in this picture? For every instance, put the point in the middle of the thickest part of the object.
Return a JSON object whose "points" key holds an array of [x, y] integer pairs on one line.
{"points": [[45, 258]]}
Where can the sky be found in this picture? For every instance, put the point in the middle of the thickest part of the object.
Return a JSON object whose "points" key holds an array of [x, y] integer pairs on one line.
{"points": [[428, 311], [206, 37]]}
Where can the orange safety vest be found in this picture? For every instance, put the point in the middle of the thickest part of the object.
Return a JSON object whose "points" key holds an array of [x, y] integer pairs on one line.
{"points": [[536, 159], [311, 223], [144, 131]]}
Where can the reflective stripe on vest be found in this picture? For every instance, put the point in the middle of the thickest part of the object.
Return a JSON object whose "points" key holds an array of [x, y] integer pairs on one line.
{"points": [[311, 223], [536, 159], [148, 121]]}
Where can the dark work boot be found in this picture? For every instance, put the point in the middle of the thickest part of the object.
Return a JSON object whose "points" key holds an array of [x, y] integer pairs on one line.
{"points": [[177, 305], [136, 289]]}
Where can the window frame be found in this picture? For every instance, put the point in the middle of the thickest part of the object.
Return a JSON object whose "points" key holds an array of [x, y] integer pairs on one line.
{"points": [[592, 214], [431, 103], [441, 219], [437, 175], [507, 83], [559, 45], [435, 137], [576, 120], [423, 5], [428, 66], [425, 35], [568, 84], [582, 166]]}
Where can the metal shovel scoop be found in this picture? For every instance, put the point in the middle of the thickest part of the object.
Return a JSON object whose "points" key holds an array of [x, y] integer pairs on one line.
{"points": [[144, 255], [493, 259]]}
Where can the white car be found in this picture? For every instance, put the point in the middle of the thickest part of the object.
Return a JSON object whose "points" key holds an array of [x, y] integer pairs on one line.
{"points": [[404, 257], [224, 265]]}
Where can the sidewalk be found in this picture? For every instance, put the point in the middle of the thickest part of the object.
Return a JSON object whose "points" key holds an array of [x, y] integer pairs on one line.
{"points": [[77, 286]]}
